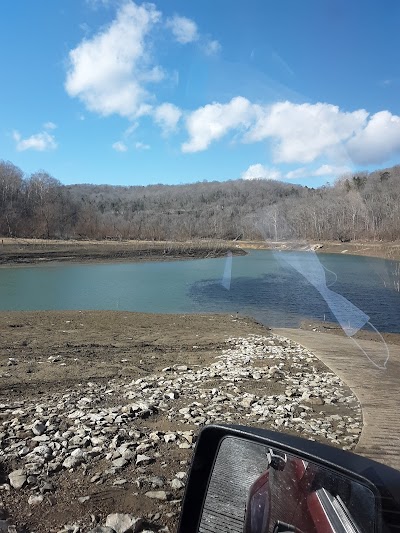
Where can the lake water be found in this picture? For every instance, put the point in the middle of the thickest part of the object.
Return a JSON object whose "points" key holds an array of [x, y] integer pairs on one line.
{"points": [[260, 285]]}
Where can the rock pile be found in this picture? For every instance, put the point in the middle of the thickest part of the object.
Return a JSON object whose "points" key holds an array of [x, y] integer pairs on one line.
{"points": [[139, 434]]}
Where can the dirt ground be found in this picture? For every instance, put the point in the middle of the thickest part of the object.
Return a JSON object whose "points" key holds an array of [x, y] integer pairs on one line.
{"points": [[103, 345]]}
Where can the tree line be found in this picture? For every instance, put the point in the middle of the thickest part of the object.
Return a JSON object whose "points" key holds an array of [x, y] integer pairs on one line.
{"points": [[360, 206]]}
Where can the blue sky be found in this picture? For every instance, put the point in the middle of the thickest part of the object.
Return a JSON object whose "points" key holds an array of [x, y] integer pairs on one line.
{"points": [[112, 91]]}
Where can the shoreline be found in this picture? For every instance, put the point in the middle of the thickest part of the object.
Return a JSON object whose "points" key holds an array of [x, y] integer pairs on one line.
{"points": [[109, 405], [372, 249], [22, 252]]}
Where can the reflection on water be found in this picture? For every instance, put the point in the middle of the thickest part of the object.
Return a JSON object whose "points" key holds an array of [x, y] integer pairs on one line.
{"points": [[284, 299]]}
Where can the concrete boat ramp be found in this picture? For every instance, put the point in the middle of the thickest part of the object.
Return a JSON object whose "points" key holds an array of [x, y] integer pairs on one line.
{"points": [[378, 390]]}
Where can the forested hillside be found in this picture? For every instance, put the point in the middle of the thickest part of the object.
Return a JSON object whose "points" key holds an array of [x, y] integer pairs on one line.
{"points": [[363, 206]]}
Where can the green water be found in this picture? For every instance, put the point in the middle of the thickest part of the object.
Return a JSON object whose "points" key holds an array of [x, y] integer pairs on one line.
{"points": [[259, 286]]}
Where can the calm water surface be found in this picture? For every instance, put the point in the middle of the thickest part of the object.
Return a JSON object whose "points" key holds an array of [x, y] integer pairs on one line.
{"points": [[260, 286]]}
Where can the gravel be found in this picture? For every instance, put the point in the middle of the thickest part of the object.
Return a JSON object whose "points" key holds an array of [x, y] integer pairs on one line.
{"points": [[124, 432]]}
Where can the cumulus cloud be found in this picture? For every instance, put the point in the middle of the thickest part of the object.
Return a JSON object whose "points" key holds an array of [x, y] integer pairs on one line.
{"points": [[297, 173], [260, 172], [325, 170], [186, 31], [300, 133], [304, 132], [183, 29], [167, 117], [41, 142], [331, 170], [142, 146], [378, 141], [120, 146], [213, 121], [109, 71]]}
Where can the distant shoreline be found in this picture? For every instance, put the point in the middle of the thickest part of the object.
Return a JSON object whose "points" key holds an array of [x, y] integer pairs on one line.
{"points": [[382, 250], [18, 251], [22, 252]]}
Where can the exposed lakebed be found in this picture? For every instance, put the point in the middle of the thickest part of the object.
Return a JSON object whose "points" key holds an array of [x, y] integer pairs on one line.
{"points": [[100, 410]]}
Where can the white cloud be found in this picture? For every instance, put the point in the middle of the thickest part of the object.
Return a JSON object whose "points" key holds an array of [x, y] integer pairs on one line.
{"points": [[331, 170], [108, 72], [325, 170], [378, 141], [260, 172], [297, 173], [142, 146], [119, 146], [183, 29], [167, 117], [300, 133], [40, 142], [213, 121], [304, 132], [49, 126], [211, 47]]}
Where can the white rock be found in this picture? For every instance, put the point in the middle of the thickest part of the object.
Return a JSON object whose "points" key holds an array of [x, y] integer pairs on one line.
{"points": [[169, 437], [143, 459], [121, 523], [35, 500], [157, 495], [17, 479], [38, 428], [177, 484], [77, 453], [72, 462], [120, 462]]}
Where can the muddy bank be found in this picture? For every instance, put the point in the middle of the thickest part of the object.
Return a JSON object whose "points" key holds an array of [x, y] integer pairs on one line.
{"points": [[102, 345], [100, 410], [384, 250], [39, 251]]}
